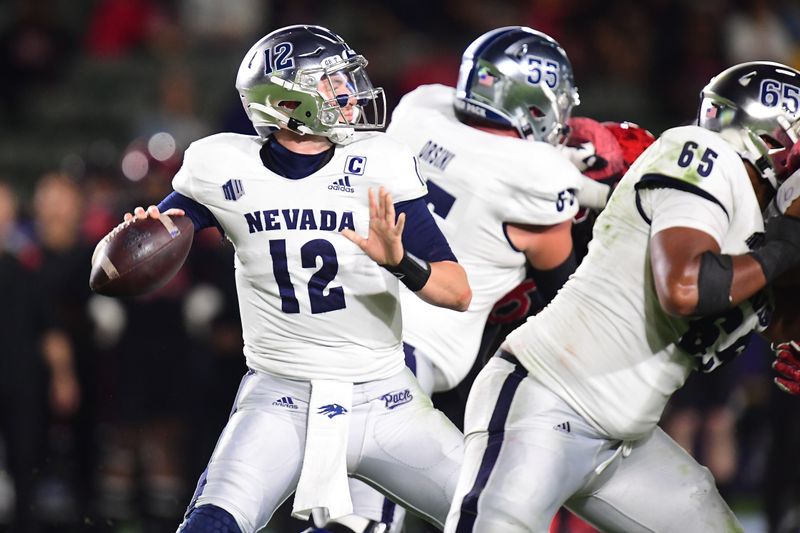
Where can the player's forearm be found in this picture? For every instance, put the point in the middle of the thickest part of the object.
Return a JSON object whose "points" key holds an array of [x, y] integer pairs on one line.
{"points": [[748, 279], [447, 286]]}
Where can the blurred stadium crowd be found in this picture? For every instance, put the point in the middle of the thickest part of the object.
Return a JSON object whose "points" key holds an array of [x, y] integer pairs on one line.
{"points": [[109, 408]]}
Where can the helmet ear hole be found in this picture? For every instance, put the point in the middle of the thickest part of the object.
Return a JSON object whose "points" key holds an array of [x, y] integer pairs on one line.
{"points": [[536, 112], [289, 104]]}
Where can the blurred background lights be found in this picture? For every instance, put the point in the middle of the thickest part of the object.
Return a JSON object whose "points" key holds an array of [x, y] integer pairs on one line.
{"points": [[135, 165], [161, 146]]}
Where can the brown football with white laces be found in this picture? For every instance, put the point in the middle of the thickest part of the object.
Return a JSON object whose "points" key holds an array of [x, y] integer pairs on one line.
{"points": [[141, 255]]}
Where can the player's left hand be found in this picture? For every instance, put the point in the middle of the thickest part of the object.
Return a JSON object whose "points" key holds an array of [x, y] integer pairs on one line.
{"points": [[787, 365], [384, 243]]}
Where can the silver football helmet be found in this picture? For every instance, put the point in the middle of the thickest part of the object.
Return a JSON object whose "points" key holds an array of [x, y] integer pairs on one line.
{"points": [[307, 79], [755, 106], [517, 77]]}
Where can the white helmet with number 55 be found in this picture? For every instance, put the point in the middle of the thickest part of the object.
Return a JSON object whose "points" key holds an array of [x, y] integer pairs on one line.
{"points": [[520, 78]]}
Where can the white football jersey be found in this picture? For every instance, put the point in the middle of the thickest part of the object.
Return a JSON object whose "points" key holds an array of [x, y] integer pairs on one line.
{"points": [[477, 181], [605, 344], [313, 305]]}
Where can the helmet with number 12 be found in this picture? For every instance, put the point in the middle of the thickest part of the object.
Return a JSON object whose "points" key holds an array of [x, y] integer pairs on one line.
{"points": [[307, 79]]}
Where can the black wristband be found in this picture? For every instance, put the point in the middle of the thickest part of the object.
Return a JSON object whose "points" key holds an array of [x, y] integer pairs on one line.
{"points": [[781, 249], [412, 274], [714, 284]]}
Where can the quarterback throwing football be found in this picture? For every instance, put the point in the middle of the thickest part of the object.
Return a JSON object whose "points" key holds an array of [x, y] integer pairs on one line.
{"points": [[316, 212]]}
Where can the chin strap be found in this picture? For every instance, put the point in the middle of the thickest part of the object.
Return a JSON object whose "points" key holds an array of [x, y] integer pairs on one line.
{"points": [[340, 135], [282, 119], [336, 135]]}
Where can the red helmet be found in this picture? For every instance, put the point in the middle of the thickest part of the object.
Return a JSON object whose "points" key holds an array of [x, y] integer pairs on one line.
{"points": [[632, 138]]}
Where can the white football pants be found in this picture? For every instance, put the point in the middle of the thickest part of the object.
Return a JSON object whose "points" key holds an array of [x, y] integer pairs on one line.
{"points": [[369, 503], [527, 453], [397, 442]]}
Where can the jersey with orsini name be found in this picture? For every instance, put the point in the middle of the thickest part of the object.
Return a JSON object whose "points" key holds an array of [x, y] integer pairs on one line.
{"points": [[605, 344], [477, 182], [313, 305]]}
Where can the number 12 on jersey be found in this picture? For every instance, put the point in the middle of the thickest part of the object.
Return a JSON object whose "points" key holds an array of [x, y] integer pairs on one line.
{"points": [[319, 281]]}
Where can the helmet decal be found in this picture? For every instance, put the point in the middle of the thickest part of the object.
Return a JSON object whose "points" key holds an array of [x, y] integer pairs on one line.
{"points": [[278, 58]]}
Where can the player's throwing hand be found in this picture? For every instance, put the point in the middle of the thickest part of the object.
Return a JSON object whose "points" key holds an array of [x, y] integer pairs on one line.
{"points": [[152, 212], [383, 244]]}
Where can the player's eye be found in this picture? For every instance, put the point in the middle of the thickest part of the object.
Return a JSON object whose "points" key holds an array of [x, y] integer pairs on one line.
{"points": [[342, 99]]}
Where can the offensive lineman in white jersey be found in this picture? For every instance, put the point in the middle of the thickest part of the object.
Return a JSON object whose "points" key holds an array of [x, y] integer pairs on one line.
{"points": [[318, 259], [566, 412], [501, 189]]}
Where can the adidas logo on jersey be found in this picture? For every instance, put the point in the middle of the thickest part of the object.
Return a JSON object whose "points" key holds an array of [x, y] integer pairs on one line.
{"points": [[342, 184], [286, 401], [563, 427]]}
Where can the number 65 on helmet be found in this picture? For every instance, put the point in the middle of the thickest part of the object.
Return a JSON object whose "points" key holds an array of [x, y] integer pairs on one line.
{"points": [[755, 106]]}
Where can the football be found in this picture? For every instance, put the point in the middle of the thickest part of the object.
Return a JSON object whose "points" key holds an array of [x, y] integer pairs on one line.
{"points": [[141, 255]]}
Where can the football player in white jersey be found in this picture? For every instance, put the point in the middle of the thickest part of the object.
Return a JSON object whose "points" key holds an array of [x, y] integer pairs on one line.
{"points": [[323, 219], [501, 190], [566, 412]]}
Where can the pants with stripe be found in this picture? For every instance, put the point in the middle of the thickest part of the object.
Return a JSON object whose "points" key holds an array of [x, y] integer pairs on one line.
{"points": [[527, 453]]}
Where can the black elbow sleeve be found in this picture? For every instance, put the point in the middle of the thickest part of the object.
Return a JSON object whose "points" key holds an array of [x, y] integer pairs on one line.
{"points": [[714, 283]]}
